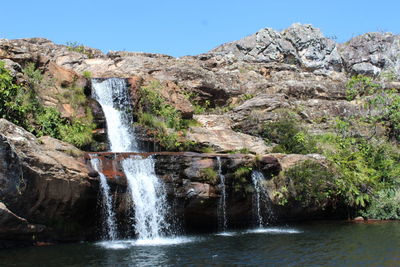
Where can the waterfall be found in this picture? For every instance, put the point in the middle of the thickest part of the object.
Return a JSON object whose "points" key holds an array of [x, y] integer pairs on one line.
{"points": [[222, 221], [261, 199], [148, 194], [110, 224], [146, 190], [113, 97]]}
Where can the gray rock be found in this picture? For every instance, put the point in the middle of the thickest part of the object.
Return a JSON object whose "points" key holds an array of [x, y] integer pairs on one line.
{"points": [[372, 53], [12, 183]]}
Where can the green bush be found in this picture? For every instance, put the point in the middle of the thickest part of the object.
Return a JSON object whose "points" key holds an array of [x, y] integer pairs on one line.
{"points": [[388, 103], [162, 120], [242, 172], [360, 85], [314, 184], [209, 175], [362, 167], [21, 106], [77, 47], [289, 136], [12, 97], [78, 133], [384, 206]]}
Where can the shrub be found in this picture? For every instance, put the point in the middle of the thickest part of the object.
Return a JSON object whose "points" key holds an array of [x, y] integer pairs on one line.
{"points": [[242, 172], [12, 96], [384, 206], [164, 122], [209, 174], [314, 184], [360, 85], [21, 106], [87, 74], [78, 133], [289, 135], [77, 47]]}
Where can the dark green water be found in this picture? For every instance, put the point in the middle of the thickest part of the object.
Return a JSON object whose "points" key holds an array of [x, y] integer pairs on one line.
{"points": [[311, 244]]}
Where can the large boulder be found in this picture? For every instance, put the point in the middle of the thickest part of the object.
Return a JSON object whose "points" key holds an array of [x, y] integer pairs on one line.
{"points": [[44, 181], [215, 131]]}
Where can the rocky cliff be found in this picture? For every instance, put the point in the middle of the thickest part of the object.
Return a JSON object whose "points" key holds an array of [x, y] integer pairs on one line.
{"points": [[231, 92]]}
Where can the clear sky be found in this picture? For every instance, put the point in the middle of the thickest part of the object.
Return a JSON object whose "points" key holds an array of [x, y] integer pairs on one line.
{"points": [[186, 27]]}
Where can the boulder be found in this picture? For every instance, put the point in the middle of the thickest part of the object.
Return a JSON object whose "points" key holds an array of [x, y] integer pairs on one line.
{"points": [[215, 131], [46, 182]]}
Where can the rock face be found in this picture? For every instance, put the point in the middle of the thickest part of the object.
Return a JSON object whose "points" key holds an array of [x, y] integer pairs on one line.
{"points": [[196, 193], [43, 182], [372, 53], [215, 131], [299, 44], [297, 69]]}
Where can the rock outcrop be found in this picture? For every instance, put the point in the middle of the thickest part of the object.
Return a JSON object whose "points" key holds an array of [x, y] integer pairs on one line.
{"points": [[297, 69], [44, 182]]}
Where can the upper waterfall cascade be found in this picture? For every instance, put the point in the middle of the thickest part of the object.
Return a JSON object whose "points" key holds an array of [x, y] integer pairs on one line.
{"points": [[112, 95]]}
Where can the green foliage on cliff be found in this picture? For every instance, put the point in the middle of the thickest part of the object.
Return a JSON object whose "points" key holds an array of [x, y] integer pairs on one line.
{"points": [[209, 175], [360, 85], [383, 105], [363, 167], [164, 122], [386, 105], [385, 205], [289, 136], [20, 105], [313, 184], [11, 98], [80, 48]]}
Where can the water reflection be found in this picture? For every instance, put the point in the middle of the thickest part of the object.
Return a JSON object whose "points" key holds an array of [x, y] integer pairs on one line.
{"points": [[315, 244]]}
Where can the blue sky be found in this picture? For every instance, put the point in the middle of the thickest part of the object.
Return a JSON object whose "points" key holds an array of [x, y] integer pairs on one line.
{"points": [[188, 27]]}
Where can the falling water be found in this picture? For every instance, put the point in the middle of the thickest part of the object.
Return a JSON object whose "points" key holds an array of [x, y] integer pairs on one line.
{"points": [[112, 95], [261, 198], [110, 224], [222, 221], [146, 190], [148, 194]]}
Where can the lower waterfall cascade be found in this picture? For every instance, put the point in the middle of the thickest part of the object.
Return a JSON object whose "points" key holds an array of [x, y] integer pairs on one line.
{"points": [[222, 219], [110, 222], [262, 212]]}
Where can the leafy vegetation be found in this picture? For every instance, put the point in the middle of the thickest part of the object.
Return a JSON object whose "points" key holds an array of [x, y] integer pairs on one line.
{"points": [[209, 174], [385, 205], [20, 105], [164, 122], [360, 168], [80, 48], [289, 136], [313, 183], [360, 85], [12, 98]]}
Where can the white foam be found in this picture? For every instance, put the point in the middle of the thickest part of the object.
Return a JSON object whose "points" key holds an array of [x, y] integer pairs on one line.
{"points": [[226, 234], [124, 244], [117, 244], [162, 241], [273, 230]]}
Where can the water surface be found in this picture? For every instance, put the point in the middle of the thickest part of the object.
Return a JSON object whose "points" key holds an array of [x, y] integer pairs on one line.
{"points": [[311, 244]]}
